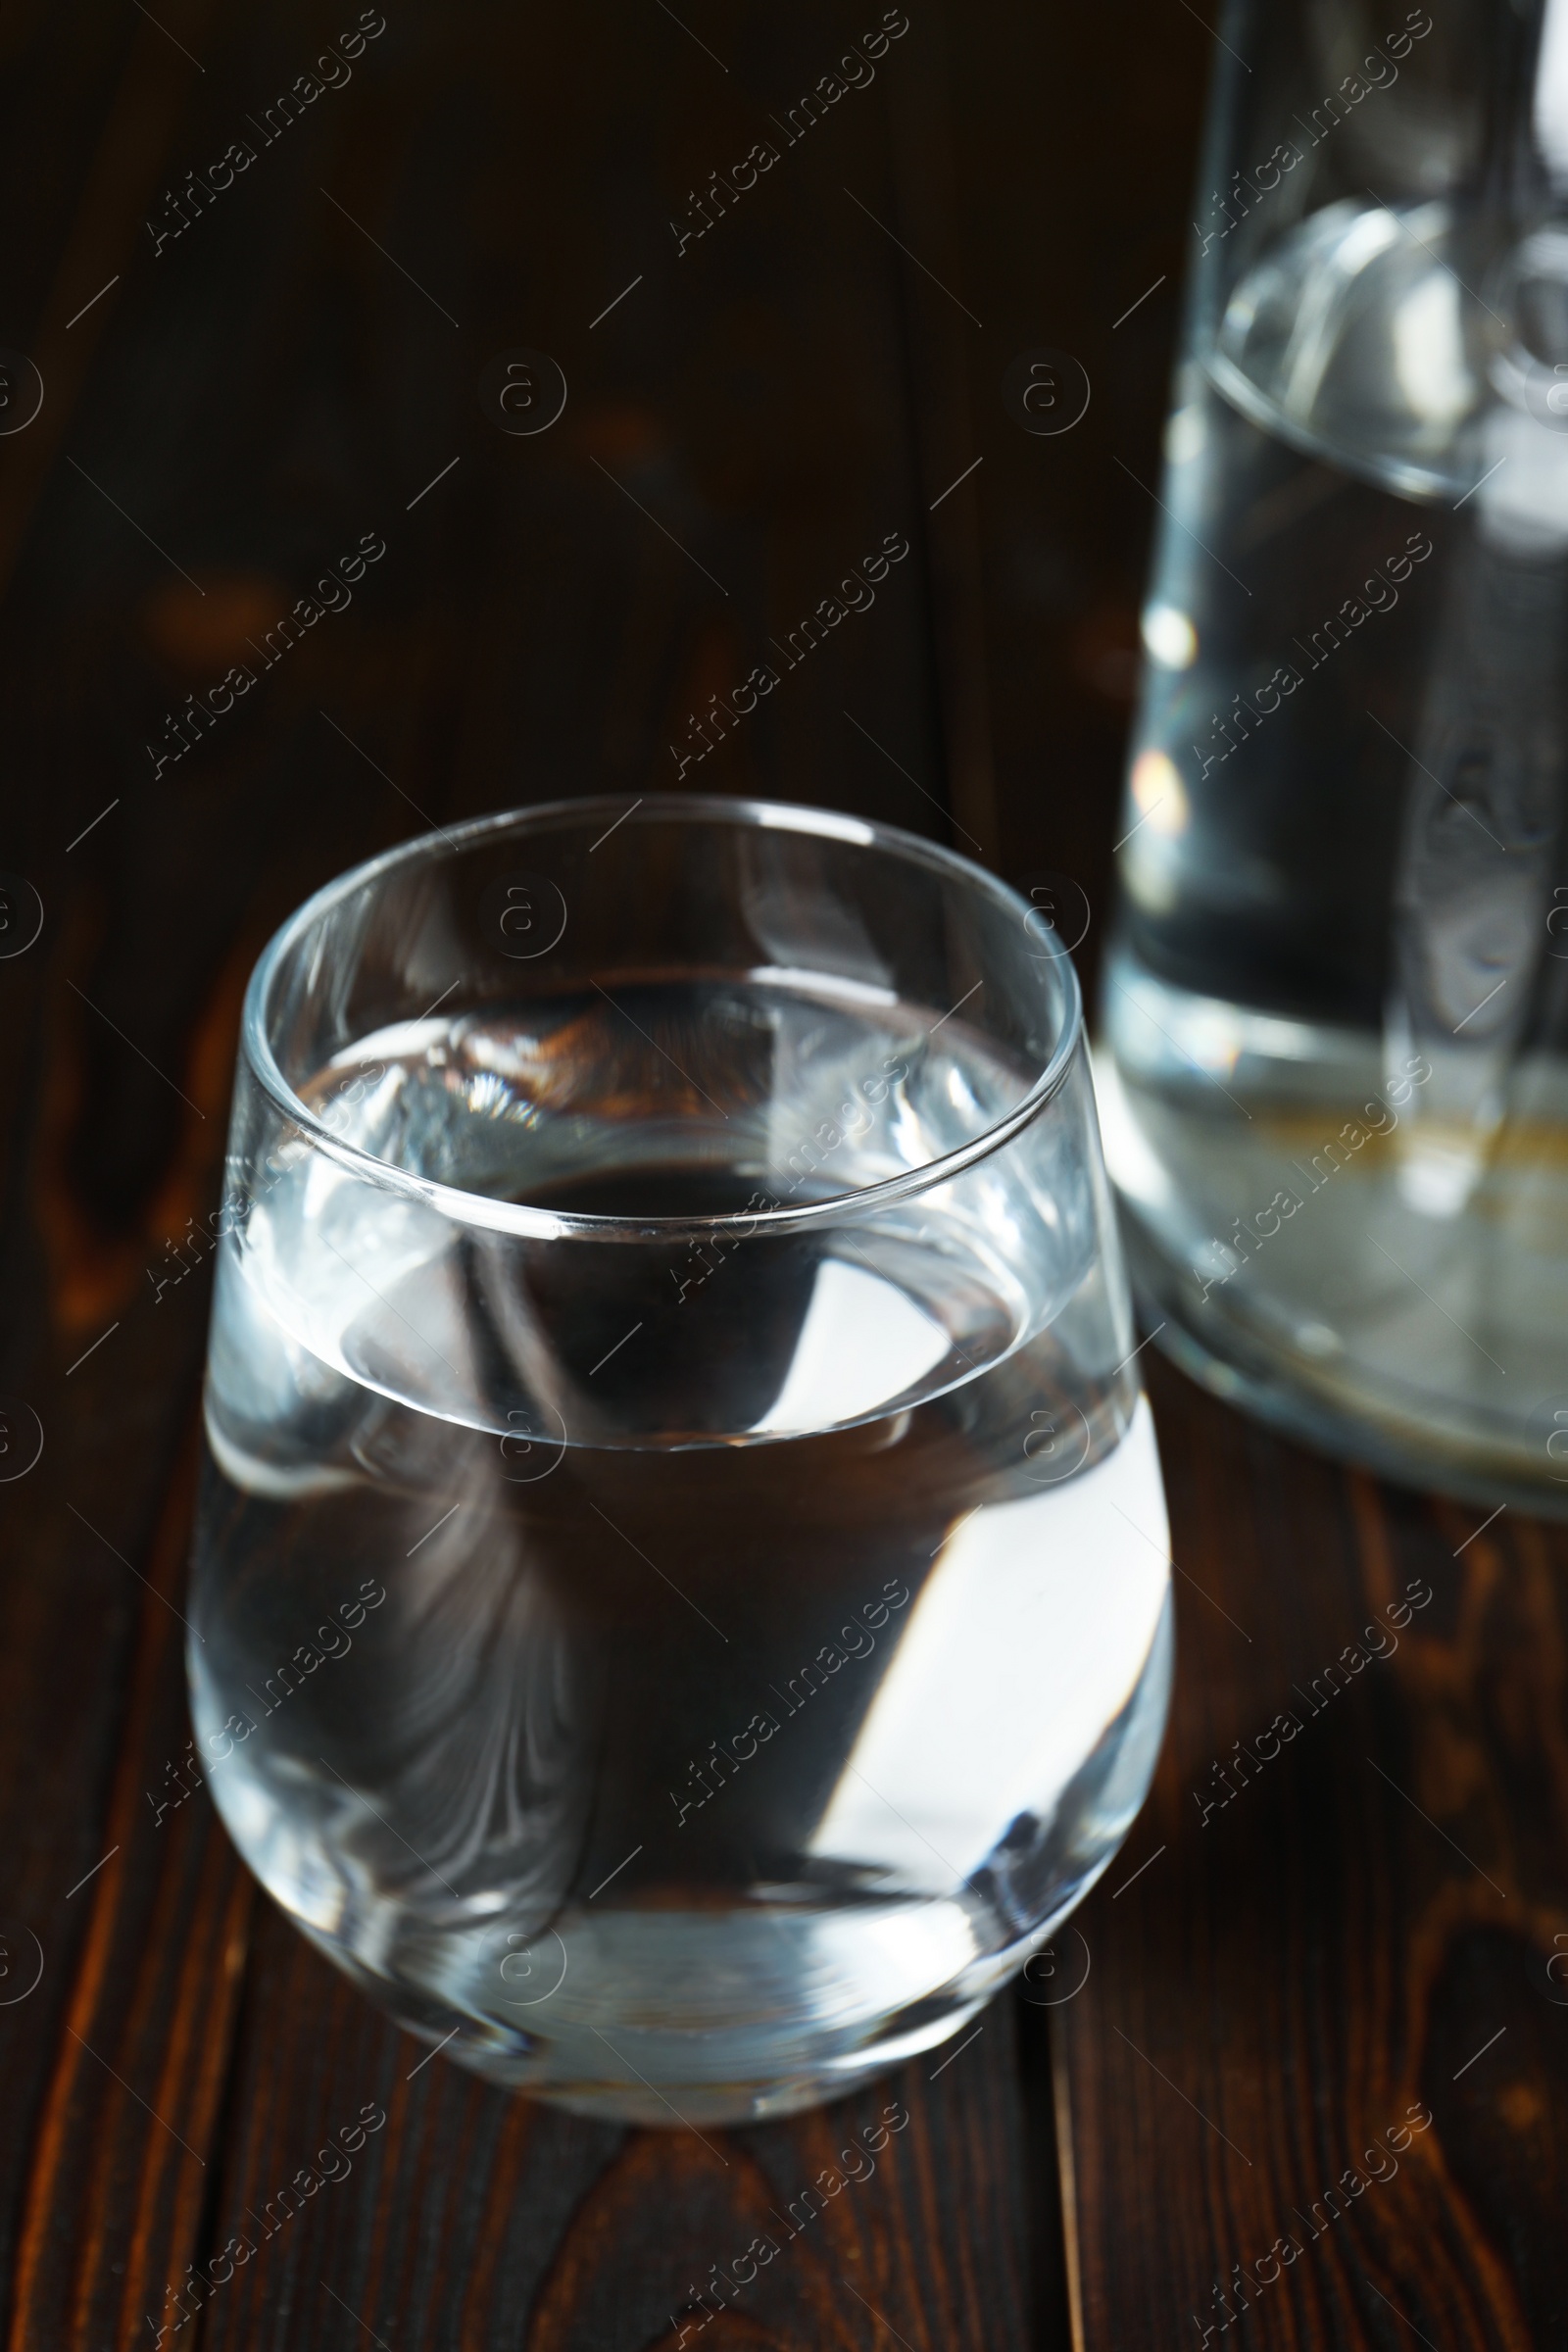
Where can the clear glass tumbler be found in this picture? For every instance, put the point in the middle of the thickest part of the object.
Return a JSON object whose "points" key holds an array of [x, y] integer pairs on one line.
{"points": [[680, 1599]]}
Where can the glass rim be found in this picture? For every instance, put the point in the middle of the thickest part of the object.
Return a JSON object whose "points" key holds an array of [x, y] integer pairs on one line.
{"points": [[516, 1217]]}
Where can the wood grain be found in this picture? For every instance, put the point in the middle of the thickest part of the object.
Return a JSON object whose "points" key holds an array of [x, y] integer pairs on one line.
{"points": [[1361, 1926]]}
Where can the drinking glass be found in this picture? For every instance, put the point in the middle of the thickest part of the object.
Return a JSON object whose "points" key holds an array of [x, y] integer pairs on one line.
{"points": [[680, 1599]]}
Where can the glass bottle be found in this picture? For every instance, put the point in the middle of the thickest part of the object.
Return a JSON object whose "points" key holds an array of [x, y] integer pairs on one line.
{"points": [[1335, 1003]]}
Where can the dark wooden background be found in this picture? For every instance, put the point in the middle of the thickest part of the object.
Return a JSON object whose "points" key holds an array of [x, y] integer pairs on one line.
{"points": [[1281, 1981]]}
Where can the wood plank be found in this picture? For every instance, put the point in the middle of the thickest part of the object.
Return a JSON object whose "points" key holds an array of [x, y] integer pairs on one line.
{"points": [[943, 331], [117, 2060], [470, 2209], [1073, 154], [100, 176], [1357, 1934]]}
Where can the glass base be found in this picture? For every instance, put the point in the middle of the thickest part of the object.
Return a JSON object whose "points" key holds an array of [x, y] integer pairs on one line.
{"points": [[626, 2099], [632, 2075]]}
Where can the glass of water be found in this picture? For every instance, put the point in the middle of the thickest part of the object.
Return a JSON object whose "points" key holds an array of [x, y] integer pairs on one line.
{"points": [[680, 1598]]}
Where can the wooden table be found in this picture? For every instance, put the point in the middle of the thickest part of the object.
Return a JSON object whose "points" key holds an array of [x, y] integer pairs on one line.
{"points": [[1299, 1955]]}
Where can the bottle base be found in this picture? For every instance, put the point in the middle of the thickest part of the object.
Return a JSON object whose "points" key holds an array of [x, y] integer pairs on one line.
{"points": [[1323, 1239], [1396, 1436]]}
